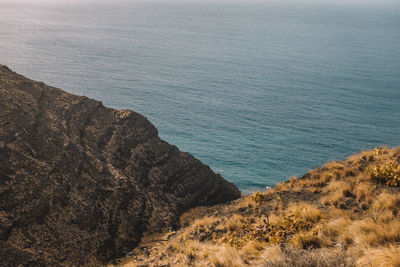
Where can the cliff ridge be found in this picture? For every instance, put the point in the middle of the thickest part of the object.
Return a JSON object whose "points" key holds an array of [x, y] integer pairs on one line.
{"points": [[80, 182]]}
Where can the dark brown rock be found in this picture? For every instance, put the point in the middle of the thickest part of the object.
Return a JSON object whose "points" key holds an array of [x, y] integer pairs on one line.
{"points": [[80, 183]]}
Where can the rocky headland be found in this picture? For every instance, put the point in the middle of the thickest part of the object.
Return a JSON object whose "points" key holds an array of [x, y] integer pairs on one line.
{"points": [[80, 183]]}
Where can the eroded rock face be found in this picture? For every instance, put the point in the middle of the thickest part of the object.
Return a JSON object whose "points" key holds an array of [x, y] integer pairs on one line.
{"points": [[80, 183]]}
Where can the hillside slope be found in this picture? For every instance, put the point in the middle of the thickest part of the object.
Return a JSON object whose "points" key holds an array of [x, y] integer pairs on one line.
{"points": [[344, 213], [80, 183]]}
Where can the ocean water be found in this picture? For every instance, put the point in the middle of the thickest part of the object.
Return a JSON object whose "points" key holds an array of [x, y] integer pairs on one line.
{"points": [[259, 91]]}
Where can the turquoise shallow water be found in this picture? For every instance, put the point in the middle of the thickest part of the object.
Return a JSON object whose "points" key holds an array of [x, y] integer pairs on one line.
{"points": [[260, 91]]}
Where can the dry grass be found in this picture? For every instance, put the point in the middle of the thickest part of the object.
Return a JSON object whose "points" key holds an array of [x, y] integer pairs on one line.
{"points": [[340, 214], [387, 201], [368, 232], [276, 256], [380, 257], [305, 211], [364, 194]]}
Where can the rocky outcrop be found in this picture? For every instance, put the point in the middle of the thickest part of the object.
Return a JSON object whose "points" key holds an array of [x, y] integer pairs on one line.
{"points": [[80, 182]]}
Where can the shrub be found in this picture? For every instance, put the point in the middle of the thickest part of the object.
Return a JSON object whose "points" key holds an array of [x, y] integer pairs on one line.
{"points": [[259, 197], [388, 174]]}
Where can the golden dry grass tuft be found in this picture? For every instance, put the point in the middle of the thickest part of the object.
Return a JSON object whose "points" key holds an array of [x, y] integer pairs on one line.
{"points": [[385, 256], [344, 213]]}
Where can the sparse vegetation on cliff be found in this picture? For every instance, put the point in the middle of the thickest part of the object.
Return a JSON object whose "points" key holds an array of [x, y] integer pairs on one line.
{"points": [[344, 213]]}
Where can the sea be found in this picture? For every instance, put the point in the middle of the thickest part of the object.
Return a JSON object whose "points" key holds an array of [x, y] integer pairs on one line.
{"points": [[258, 90]]}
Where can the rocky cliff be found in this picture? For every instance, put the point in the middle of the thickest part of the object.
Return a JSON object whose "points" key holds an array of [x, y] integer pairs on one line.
{"points": [[80, 182]]}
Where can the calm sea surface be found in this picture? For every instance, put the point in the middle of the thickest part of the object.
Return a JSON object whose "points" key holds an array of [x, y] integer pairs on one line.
{"points": [[260, 91]]}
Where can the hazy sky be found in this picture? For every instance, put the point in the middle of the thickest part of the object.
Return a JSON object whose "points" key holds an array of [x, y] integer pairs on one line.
{"points": [[378, 2]]}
